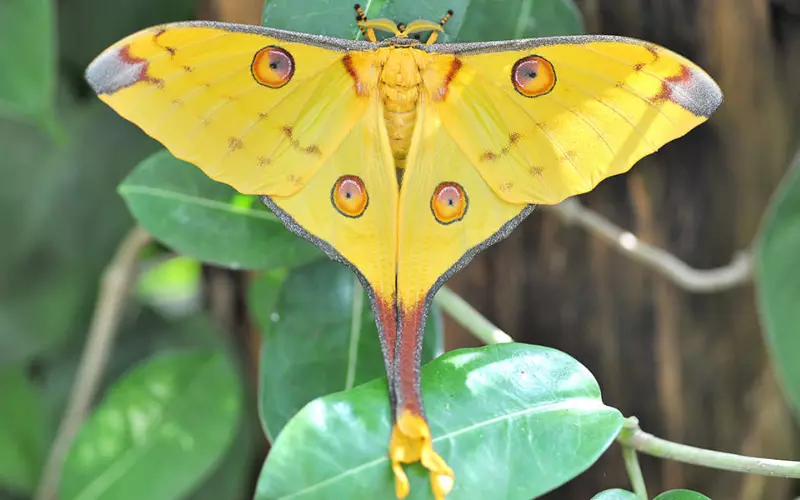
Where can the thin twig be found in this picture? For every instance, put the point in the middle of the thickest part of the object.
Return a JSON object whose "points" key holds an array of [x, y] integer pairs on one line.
{"points": [[114, 288], [634, 437], [469, 318], [634, 472], [631, 435], [738, 272]]}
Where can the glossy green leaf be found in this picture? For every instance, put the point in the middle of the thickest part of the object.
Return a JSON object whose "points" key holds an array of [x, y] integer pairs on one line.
{"points": [[320, 338], [158, 431], [475, 20], [778, 283], [263, 294], [615, 494], [198, 217], [338, 18], [681, 495], [23, 431], [28, 59], [513, 421], [142, 334], [515, 19], [232, 479]]}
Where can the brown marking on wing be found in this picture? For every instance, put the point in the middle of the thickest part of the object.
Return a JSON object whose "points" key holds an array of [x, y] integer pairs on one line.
{"points": [[536, 170], [294, 179], [263, 161], [235, 144], [312, 149], [455, 65], [505, 186], [169, 49], [358, 85], [668, 85], [126, 57], [513, 138]]}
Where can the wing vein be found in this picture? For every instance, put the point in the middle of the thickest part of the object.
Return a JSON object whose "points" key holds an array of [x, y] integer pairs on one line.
{"points": [[593, 96], [547, 135], [654, 75], [627, 87]]}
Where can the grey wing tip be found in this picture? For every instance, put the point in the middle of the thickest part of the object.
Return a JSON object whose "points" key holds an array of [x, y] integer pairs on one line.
{"points": [[115, 69], [706, 94], [94, 75]]}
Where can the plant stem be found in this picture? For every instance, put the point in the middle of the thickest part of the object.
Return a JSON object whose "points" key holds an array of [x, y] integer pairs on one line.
{"points": [[634, 472], [634, 437], [114, 287], [738, 272], [469, 318], [631, 435]]}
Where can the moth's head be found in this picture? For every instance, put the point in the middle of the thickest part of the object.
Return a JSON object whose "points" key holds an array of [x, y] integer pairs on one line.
{"points": [[399, 30]]}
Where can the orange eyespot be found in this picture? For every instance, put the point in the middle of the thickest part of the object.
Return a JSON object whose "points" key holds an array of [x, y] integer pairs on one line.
{"points": [[533, 76], [349, 196], [449, 203], [272, 67]]}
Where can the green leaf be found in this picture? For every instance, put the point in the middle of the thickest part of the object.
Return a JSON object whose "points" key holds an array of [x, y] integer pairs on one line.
{"points": [[338, 18], [206, 220], [515, 19], [681, 495], [473, 20], [40, 316], [173, 286], [142, 334], [232, 479], [513, 421], [778, 283], [158, 431], [615, 494], [312, 16], [263, 295], [28, 59], [23, 431], [320, 338], [79, 186], [25, 162]]}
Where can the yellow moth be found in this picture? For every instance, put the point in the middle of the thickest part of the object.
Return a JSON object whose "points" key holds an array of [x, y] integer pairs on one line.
{"points": [[401, 158]]}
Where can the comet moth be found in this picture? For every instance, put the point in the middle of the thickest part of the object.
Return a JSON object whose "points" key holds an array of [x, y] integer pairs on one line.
{"points": [[399, 157]]}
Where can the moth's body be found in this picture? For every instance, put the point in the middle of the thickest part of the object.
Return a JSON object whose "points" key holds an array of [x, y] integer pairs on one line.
{"points": [[398, 68], [400, 86], [319, 127]]}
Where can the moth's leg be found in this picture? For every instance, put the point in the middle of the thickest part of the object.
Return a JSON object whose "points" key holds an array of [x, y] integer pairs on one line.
{"points": [[435, 34], [411, 436]]}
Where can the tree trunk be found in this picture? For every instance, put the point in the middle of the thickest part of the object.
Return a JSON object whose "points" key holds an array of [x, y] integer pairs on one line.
{"points": [[692, 367]]}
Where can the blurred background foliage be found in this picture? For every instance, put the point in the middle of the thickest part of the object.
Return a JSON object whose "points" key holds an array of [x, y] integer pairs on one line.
{"points": [[198, 339]]}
